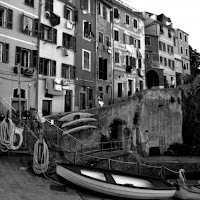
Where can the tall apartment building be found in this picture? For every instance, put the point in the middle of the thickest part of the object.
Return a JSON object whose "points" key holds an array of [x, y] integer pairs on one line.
{"points": [[160, 65], [18, 53], [129, 51], [57, 72], [181, 44], [104, 55]]}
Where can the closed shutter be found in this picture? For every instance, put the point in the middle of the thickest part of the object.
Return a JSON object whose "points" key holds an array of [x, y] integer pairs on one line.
{"points": [[127, 62], [42, 31], [54, 36], [41, 67], [53, 72], [9, 18], [124, 38], [74, 43], [86, 4], [98, 9], [64, 40], [65, 11], [63, 71], [104, 12], [75, 16], [111, 16], [100, 68], [34, 58], [6, 53], [18, 55], [105, 69], [160, 45], [92, 7], [36, 28]]}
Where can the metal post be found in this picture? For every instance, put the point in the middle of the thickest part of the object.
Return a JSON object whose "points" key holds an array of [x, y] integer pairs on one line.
{"points": [[19, 88]]}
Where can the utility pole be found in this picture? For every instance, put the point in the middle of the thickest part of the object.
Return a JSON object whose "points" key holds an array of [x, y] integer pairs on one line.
{"points": [[19, 88]]}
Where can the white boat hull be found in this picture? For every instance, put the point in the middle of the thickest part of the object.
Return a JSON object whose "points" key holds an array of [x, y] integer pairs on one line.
{"points": [[113, 189]]}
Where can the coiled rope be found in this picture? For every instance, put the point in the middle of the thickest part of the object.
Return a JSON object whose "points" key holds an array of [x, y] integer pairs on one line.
{"points": [[40, 157], [8, 132]]}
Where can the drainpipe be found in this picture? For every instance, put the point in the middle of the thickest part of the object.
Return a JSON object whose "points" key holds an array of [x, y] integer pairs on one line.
{"points": [[38, 53]]}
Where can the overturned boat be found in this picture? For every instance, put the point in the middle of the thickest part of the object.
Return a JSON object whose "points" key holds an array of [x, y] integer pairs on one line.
{"points": [[116, 183]]}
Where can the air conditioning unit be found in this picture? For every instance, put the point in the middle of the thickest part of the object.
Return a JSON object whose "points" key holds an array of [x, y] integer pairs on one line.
{"points": [[28, 72], [47, 14]]}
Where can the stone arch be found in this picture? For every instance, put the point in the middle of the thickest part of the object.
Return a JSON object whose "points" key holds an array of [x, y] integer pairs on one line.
{"points": [[152, 79]]}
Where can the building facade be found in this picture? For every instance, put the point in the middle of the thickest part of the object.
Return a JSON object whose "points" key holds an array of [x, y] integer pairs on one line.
{"points": [[18, 54], [104, 62], [57, 71], [160, 27], [128, 51]]}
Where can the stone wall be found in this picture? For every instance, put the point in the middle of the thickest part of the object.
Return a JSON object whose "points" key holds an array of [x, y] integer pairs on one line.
{"points": [[151, 118]]}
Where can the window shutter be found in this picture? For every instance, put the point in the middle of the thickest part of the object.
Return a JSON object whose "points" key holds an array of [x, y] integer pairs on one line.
{"points": [[74, 43], [131, 40], [105, 69], [92, 7], [41, 67], [100, 68], [36, 28], [42, 31], [127, 60], [65, 11], [104, 12], [71, 42], [82, 4], [133, 62], [64, 42], [124, 38], [18, 55], [75, 16], [54, 36], [139, 45], [53, 73], [116, 14], [63, 71], [9, 18], [111, 16], [34, 59], [6, 53], [160, 45], [98, 9]]}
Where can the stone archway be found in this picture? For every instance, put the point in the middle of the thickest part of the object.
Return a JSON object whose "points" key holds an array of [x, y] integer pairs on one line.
{"points": [[152, 79]]}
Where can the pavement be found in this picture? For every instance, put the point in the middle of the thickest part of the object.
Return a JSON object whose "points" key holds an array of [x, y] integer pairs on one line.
{"points": [[19, 183]]}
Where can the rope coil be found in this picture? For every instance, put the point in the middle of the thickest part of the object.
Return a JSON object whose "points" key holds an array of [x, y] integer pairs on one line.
{"points": [[8, 132]]}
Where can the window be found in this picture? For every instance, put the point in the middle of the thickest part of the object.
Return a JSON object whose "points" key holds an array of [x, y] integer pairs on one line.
{"points": [[127, 19], [161, 60], [181, 50], [169, 62], [87, 30], [187, 66], [185, 38], [139, 63], [4, 53], [108, 44], [100, 37], [116, 57], [174, 40], [26, 57], [68, 71], [100, 9], [169, 34], [86, 63], [102, 69], [161, 30], [87, 5], [29, 3], [135, 23], [116, 13], [165, 61], [6, 17], [48, 34], [164, 47], [49, 5], [47, 67], [139, 44], [186, 52], [27, 26], [70, 14], [180, 35], [116, 35], [119, 94], [148, 41], [69, 41]]}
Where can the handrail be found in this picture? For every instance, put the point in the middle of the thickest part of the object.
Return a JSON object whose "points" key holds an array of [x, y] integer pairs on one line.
{"points": [[8, 103]]}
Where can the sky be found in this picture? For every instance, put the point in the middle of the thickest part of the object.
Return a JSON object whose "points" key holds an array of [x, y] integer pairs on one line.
{"points": [[184, 15]]}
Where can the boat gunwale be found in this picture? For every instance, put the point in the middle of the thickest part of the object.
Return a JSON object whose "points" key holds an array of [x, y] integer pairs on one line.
{"points": [[117, 172]]}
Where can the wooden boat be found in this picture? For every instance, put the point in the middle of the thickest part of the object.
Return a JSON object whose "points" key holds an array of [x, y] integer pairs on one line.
{"points": [[79, 128], [115, 183], [78, 121], [186, 189], [75, 115]]}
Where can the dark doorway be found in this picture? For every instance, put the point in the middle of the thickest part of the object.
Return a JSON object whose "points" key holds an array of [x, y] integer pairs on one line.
{"points": [[152, 79], [178, 79], [82, 101], [46, 107], [68, 99]]}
